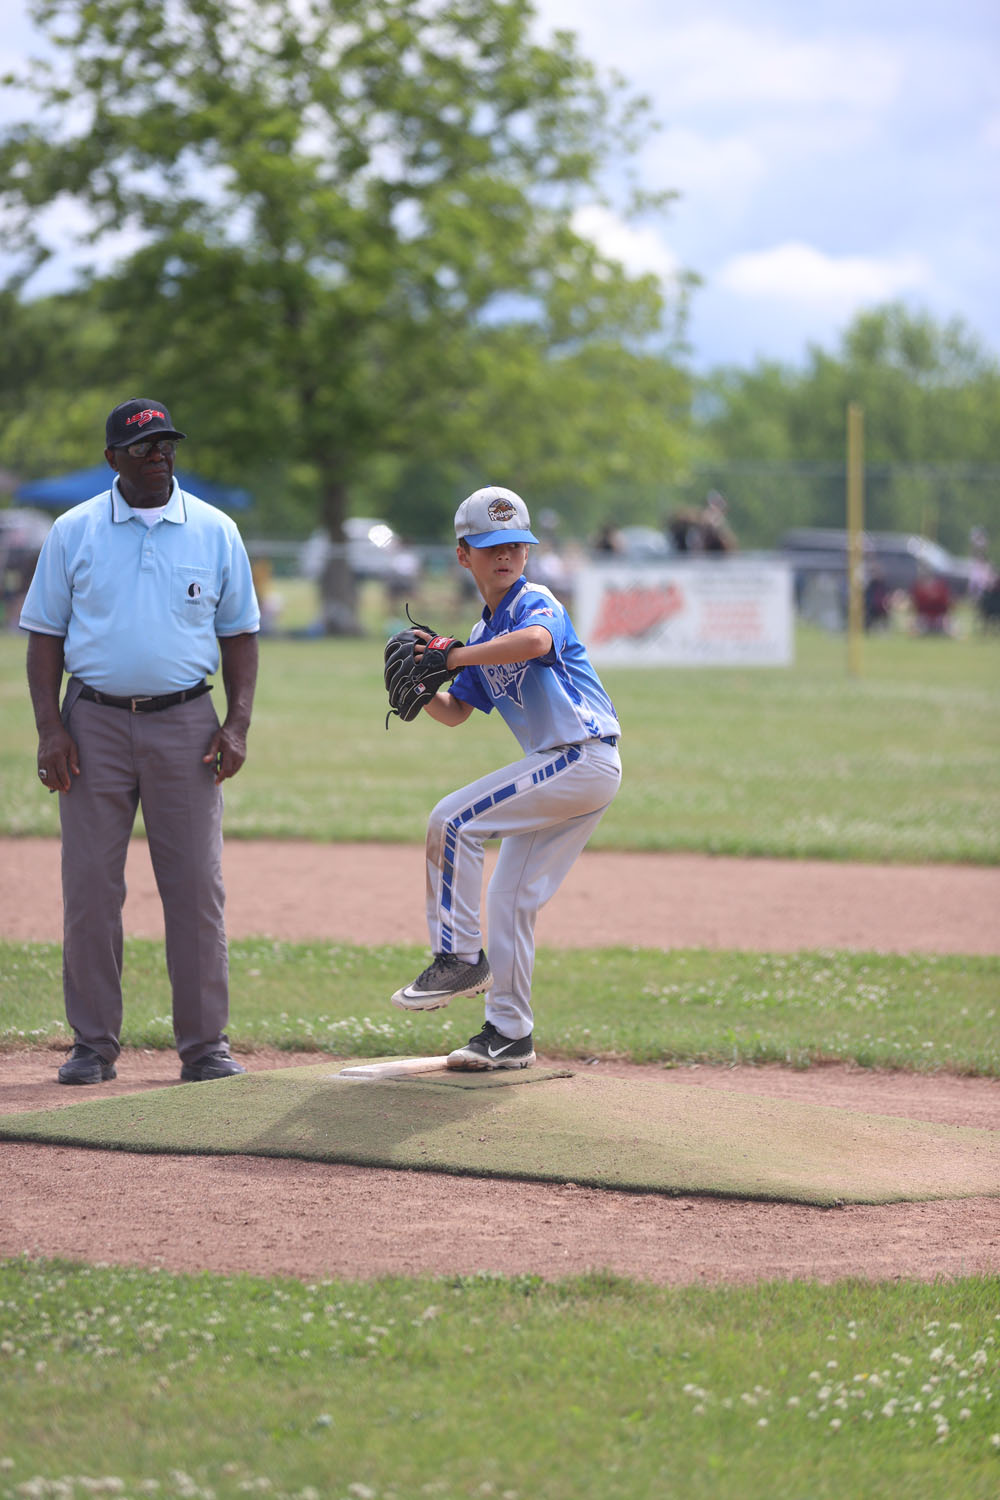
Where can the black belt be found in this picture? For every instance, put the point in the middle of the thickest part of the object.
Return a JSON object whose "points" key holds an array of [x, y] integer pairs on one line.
{"points": [[145, 705], [609, 739]]}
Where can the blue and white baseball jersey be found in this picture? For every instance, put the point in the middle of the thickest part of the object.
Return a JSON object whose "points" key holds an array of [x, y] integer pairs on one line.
{"points": [[556, 699]]}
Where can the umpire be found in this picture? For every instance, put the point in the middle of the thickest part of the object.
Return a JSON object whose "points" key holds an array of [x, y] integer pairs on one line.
{"points": [[137, 594]]}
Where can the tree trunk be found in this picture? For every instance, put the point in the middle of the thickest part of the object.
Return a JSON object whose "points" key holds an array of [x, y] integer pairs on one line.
{"points": [[338, 593]]}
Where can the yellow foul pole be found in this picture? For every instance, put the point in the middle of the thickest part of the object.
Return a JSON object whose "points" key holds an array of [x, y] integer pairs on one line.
{"points": [[855, 530]]}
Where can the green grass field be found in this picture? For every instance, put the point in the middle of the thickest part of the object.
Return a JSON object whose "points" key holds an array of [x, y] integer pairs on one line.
{"points": [[900, 764], [132, 1383], [919, 1012], [592, 1389]]}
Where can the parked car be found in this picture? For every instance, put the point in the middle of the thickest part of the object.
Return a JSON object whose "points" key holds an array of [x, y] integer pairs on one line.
{"points": [[818, 556], [635, 544], [371, 549], [644, 543]]}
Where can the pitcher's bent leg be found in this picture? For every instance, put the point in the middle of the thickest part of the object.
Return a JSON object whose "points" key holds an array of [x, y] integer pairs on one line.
{"points": [[454, 876], [529, 871], [523, 795], [543, 808]]}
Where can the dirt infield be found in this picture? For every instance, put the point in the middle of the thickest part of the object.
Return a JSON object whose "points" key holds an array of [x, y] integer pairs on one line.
{"points": [[298, 1218], [373, 893]]}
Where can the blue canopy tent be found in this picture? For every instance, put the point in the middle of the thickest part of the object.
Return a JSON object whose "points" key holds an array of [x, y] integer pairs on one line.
{"points": [[64, 490]]}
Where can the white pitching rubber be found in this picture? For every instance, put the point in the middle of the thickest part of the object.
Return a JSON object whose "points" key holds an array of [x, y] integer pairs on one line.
{"points": [[396, 1067]]}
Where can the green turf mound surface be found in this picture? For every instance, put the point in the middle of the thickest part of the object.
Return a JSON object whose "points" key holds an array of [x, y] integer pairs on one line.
{"points": [[568, 1127]]}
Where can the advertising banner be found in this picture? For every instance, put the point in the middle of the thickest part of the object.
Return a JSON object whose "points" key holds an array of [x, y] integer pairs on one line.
{"points": [[697, 612]]}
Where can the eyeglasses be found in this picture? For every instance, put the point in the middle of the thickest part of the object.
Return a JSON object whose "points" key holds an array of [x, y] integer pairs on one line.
{"points": [[166, 446]]}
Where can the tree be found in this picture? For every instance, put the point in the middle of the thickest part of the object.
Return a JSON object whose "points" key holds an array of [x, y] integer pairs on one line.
{"points": [[356, 222], [931, 398], [53, 399]]}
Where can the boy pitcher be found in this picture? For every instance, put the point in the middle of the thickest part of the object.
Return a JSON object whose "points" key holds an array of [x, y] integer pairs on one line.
{"points": [[524, 659]]}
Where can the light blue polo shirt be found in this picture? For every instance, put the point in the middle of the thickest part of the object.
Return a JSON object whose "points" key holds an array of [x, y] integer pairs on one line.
{"points": [[141, 607]]}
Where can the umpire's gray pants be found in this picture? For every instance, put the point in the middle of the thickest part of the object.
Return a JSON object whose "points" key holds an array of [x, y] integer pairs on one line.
{"points": [[156, 760]]}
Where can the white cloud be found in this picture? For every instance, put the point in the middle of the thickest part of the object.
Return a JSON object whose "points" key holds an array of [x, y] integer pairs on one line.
{"points": [[723, 172], [690, 61], [799, 273], [66, 225], [716, 63], [639, 250]]}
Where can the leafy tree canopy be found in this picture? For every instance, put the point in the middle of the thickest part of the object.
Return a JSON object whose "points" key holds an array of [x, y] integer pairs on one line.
{"points": [[930, 393], [355, 224], [931, 401]]}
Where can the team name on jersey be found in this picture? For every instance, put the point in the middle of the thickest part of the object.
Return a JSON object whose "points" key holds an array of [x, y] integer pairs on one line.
{"points": [[504, 680]]}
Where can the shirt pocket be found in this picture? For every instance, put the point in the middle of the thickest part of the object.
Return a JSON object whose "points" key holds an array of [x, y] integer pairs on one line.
{"points": [[193, 593]]}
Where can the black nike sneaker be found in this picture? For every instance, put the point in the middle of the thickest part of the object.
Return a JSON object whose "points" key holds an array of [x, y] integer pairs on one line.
{"points": [[442, 980], [491, 1049]]}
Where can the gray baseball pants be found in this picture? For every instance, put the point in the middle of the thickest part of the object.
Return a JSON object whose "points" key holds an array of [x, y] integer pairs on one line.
{"points": [[544, 809], [153, 760]]}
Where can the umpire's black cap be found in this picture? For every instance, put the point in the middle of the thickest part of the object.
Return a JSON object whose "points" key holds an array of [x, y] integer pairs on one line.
{"points": [[138, 418]]}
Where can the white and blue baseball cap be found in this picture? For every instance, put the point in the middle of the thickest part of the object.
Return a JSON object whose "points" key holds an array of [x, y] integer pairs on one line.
{"points": [[493, 515]]}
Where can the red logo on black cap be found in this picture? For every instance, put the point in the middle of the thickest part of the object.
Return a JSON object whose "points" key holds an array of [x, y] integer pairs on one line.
{"points": [[142, 417]]}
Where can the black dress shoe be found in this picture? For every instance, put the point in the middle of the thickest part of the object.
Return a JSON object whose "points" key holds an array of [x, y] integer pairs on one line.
{"points": [[84, 1065], [214, 1065]]}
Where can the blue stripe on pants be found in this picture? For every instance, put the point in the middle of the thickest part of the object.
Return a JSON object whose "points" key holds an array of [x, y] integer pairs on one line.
{"points": [[561, 762]]}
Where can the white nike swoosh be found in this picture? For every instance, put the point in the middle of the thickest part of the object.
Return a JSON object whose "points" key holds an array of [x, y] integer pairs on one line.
{"points": [[497, 1052]]}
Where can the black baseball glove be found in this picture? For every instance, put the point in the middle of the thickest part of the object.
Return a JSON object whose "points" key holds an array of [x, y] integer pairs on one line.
{"points": [[411, 677]]}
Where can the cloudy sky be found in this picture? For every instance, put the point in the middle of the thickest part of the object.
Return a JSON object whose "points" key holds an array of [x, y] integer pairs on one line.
{"points": [[830, 156]]}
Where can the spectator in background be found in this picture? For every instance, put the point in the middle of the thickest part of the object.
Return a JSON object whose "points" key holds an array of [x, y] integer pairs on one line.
{"points": [[931, 600], [988, 604], [877, 599], [684, 530], [705, 530], [715, 533], [981, 574], [607, 539]]}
